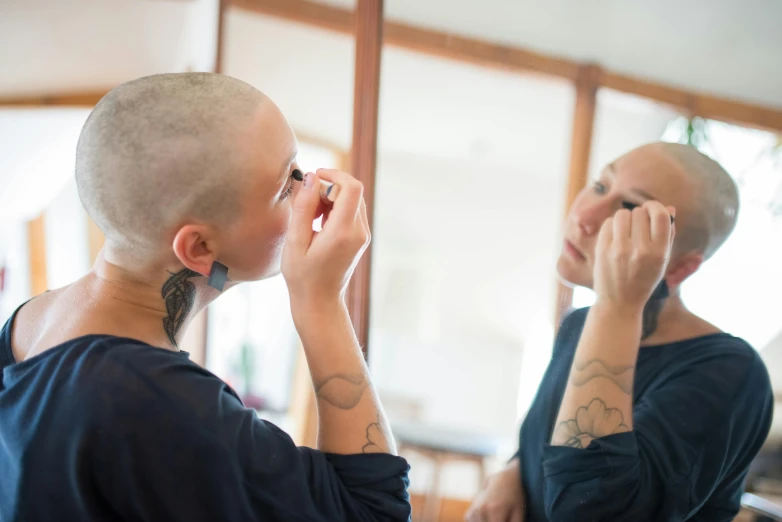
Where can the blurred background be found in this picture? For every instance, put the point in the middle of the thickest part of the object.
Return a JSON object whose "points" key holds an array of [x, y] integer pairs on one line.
{"points": [[473, 124]]}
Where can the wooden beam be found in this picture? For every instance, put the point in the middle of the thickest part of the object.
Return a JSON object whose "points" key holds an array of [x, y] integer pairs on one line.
{"points": [[476, 52], [697, 104], [83, 99], [437, 43], [311, 139], [36, 244], [484, 53], [580, 149], [302, 408], [222, 6], [366, 100], [302, 11]]}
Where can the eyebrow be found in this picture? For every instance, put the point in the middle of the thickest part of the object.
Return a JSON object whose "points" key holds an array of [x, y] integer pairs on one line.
{"points": [[286, 167], [644, 195]]}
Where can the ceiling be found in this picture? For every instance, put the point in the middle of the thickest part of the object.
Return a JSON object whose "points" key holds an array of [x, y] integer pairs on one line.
{"points": [[722, 47]]}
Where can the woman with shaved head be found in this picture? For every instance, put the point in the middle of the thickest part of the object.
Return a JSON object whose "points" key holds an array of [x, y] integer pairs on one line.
{"points": [[102, 417], [646, 411]]}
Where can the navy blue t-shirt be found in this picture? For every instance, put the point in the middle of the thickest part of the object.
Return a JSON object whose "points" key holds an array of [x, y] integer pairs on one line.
{"points": [[107, 428], [702, 409]]}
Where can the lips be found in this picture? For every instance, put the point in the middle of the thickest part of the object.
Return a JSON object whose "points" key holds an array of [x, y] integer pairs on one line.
{"points": [[574, 252]]}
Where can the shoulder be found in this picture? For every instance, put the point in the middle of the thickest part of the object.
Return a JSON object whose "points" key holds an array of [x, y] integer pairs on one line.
{"points": [[123, 377], [169, 375], [714, 375], [723, 358]]}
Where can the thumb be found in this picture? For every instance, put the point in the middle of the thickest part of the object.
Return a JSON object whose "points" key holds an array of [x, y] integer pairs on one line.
{"points": [[305, 207]]}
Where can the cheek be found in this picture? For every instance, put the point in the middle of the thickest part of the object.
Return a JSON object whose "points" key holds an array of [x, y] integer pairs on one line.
{"points": [[272, 234], [280, 224], [258, 250]]}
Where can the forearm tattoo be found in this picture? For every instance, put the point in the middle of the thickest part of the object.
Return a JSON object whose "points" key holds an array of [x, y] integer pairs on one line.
{"points": [[343, 390], [590, 422], [596, 419], [179, 295], [620, 375], [374, 433]]}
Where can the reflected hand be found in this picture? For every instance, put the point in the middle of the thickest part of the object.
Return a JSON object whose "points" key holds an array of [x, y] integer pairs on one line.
{"points": [[633, 249], [502, 500]]}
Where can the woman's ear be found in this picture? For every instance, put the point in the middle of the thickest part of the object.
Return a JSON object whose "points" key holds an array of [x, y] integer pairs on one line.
{"points": [[194, 248], [683, 267]]}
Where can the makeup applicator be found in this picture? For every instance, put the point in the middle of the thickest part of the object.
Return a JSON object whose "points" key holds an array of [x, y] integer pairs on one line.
{"points": [[661, 292], [328, 191]]}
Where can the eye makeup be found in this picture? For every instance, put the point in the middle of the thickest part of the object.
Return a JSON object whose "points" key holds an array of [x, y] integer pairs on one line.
{"points": [[661, 292], [630, 206], [328, 191]]}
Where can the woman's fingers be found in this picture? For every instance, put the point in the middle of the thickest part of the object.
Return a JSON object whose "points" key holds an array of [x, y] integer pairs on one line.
{"points": [[661, 224], [641, 227], [346, 208], [305, 206]]}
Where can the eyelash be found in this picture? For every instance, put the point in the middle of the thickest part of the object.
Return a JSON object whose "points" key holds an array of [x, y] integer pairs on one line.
{"points": [[289, 190]]}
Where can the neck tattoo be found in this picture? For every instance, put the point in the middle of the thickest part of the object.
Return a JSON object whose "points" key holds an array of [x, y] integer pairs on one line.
{"points": [[653, 308], [650, 316], [179, 295]]}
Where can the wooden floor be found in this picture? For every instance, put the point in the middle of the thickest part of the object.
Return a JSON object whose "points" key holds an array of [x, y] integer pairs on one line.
{"points": [[451, 509]]}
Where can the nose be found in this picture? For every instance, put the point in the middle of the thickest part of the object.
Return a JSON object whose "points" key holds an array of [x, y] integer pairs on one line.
{"points": [[589, 217]]}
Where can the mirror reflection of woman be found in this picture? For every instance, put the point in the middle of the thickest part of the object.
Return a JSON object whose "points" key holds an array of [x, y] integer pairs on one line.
{"points": [[646, 411]]}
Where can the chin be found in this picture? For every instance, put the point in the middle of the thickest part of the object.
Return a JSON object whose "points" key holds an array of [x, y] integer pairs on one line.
{"points": [[571, 274]]}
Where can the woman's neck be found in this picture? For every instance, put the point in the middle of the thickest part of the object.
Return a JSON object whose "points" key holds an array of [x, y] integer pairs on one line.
{"points": [[156, 299], [673, 322]]}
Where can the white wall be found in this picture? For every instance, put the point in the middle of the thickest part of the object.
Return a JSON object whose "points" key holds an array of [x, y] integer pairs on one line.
{"points": [[67, 243], [87, 45], [462, 274], [37, 157]]}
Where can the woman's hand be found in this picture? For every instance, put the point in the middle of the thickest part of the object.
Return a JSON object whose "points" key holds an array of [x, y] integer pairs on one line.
{"points": [[317, 266], [633, 249], [502, 500]]}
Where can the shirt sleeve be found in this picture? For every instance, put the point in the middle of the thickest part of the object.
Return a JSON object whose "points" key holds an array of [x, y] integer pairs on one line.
{"points": [[692, 442], [185, 448]]}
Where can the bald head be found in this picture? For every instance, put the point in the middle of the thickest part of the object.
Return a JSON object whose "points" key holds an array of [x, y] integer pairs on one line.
{"points": [[704, 195], [163, 149], [713, 211]]}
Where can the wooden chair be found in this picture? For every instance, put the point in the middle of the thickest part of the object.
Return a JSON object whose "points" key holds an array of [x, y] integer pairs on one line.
{"points": [[442, 446]]}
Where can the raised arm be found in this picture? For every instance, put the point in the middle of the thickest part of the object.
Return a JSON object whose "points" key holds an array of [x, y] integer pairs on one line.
{"points": [[317, 267], [632, 250]]}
